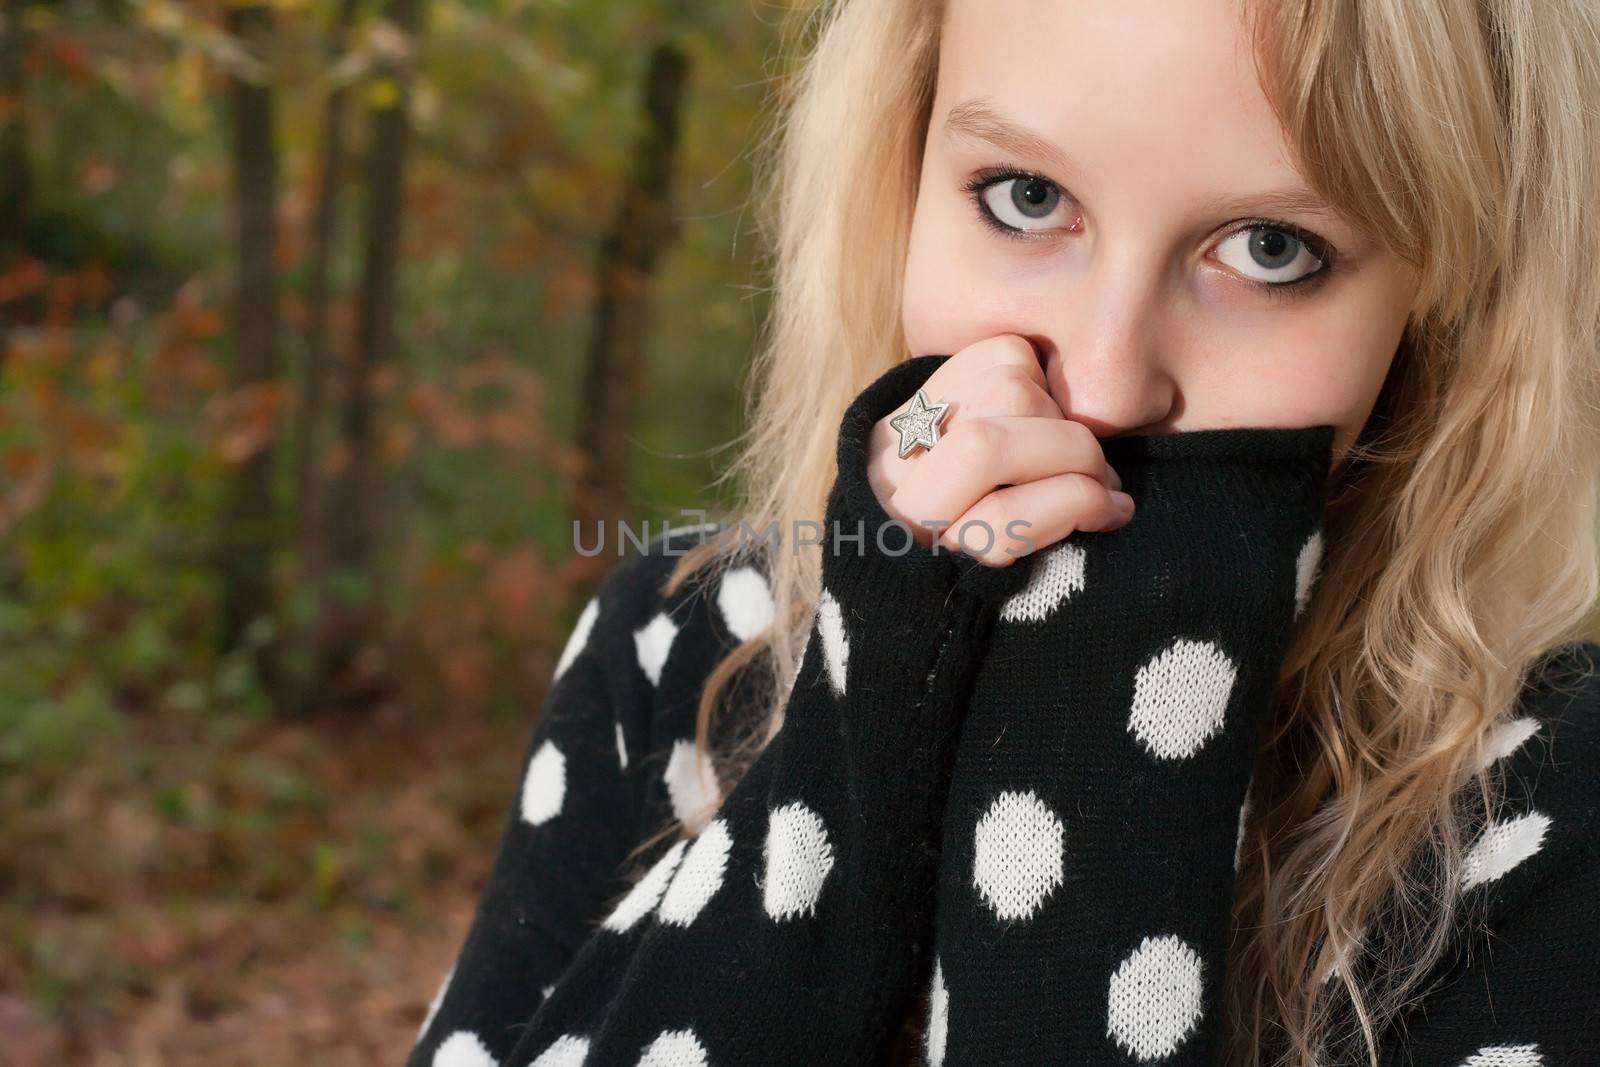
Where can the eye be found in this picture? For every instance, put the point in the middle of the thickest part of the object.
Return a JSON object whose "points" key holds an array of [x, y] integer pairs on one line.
{"points": [[1017, 203], [1272, 253]]}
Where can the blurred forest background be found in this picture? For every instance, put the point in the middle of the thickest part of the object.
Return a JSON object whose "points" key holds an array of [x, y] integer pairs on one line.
{"points": [[320, 322]]}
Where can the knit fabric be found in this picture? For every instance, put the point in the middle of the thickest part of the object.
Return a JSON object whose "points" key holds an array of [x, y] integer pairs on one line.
{"points": [[1011, 800]]}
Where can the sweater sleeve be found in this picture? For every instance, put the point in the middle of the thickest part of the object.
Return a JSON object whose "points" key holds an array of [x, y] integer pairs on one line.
{"points": [[792, 927], [1519, 988], [1090, 836], [573, 818]]}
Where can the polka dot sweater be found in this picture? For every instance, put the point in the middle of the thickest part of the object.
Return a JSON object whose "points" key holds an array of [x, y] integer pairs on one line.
{"points": [[1008, 801]]}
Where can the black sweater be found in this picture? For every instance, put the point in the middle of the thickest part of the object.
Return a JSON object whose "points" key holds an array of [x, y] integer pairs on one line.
{"points": [[1009, 798]]}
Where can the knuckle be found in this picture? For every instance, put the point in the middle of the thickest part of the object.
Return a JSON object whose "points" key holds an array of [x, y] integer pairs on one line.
{"points": [[1015, 346], [978, 352], [974, 444], [1089, 500], [1083, 437], [1008, 394], [1000, 350]]}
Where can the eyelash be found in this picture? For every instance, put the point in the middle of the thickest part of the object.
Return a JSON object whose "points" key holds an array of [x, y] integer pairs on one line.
{"points": [[1302, 286]]}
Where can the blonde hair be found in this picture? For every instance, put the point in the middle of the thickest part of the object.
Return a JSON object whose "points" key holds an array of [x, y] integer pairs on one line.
{"points": [[1462, 541]]}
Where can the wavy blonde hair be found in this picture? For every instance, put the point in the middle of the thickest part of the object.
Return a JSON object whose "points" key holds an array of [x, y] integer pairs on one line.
{"points": [[1462, 541]]}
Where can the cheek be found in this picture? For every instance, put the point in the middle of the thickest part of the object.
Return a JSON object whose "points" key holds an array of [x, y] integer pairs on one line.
{"points": [[1357, 340], [1373, 351], [930, 311], [956, 286], [1325, 369], [926, 311], [1355, 349]]}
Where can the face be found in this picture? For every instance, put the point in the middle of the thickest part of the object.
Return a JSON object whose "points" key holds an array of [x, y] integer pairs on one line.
{"points": [[1106, 179]]}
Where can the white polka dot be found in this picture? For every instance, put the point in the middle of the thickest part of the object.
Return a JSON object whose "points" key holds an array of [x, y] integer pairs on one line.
{"points": [[691, 780], [1180, 697], [835, 642], [653, 642], [1505, 1056], [1018, 854], [699, 876], [1502, 846], [675, 1048], [745, 602], [546, 991], [1155, 998], [578, 638], [568, 1051], [938, 1017], [463, 1049], [798, 857], [438, 999], [544, 787], [1506, 737], [622, 748], [1305, 571], [1057, 574], [642, 898]]}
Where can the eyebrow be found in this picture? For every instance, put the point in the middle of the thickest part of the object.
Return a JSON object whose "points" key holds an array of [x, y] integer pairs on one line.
{"points": [[977, 120]]}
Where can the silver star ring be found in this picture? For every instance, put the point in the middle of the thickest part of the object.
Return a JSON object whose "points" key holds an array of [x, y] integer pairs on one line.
{"points": [[919, 423]]}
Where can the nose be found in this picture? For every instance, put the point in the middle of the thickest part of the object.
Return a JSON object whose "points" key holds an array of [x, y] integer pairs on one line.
{"points": [[1105, 345]]}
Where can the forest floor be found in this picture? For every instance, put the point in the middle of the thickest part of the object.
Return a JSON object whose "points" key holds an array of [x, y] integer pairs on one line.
{"points": [[245, 891]]}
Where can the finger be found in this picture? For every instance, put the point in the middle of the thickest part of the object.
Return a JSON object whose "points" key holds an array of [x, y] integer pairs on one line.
{"points": [[999, 375], [1008, 350], [1034, 515], [984, 392], [1001, 350], [976, 457], [998, 389]]}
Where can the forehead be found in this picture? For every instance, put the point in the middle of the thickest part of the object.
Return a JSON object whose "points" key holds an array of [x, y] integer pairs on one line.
{"points": [[1138, 92]]}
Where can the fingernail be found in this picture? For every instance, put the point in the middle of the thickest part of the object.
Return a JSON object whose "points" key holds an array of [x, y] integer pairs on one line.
{"points": [[1123, 501], [1116, 479]]}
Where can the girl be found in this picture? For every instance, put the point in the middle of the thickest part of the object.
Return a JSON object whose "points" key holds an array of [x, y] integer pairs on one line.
{"points": [[1042, 779]]}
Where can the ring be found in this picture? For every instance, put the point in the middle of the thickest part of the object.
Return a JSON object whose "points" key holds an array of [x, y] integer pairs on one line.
{"points": [[919, 423]]}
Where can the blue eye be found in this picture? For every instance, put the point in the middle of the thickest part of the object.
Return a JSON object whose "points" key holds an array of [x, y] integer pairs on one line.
{"points": [[1013, 202], [1020, 201], [1279, 258]]}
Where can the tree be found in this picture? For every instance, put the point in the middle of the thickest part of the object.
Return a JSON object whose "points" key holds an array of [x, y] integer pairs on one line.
{"points": [[356, 504], [325, 220], [641, 230], [16, 184], [246, 535]]}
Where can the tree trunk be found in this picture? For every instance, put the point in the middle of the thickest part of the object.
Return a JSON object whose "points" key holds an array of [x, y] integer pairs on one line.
{"points": [[246, 537], [16, 170], [16, 176], [356, 503], [323, 238], [615, 375]]}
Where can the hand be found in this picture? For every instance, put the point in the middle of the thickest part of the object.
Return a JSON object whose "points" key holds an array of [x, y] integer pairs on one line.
{"points": [[1005, 453]]}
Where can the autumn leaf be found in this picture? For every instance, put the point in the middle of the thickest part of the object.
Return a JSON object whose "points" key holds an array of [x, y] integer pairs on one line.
{"points": [[244, 420]]}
